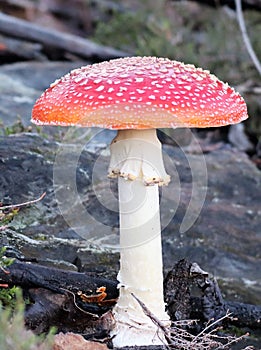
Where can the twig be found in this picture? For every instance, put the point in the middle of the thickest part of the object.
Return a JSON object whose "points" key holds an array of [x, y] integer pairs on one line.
{"points": [[154, 319], [227, 315], [13, 206], [245, 36], [78, 307], [236, 340]]}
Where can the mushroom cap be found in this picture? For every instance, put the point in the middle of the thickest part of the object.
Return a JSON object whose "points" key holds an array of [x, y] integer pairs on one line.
{"points": [[139, 93]]}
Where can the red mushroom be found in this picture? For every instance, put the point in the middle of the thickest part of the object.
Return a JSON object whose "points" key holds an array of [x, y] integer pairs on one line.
{"points": [[136, 95]]}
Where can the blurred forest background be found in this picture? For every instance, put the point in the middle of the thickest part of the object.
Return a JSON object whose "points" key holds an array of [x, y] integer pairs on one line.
{"points": [[205, 33]]}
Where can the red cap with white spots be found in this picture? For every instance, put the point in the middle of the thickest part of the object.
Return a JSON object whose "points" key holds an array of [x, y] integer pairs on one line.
{"points": [[139, 93]]}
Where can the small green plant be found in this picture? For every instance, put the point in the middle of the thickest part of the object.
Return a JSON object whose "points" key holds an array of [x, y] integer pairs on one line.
{"points": [[16, 128], [7, 216], [14, 335], [7, 295], [4, 261]]}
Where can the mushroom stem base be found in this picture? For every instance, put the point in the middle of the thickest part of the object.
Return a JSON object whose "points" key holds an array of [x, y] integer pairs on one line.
{"points": [[140, 266]]}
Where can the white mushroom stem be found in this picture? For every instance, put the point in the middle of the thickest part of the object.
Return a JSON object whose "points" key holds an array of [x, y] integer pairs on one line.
{"points": [[136, 158]]}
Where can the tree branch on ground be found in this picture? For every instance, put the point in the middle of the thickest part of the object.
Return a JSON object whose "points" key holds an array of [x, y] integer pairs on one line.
{"points": [[51, 288], [50, 37]]}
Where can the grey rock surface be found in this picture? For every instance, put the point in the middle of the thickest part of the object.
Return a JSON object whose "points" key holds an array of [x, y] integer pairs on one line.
{"points": [[22, 83]]}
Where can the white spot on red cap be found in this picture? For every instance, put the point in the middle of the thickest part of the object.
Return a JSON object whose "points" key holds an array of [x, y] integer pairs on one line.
{"points": [[100, 88]]}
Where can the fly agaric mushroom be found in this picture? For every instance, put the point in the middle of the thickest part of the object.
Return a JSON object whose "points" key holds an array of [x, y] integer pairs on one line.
{"points": [[136, 95]]}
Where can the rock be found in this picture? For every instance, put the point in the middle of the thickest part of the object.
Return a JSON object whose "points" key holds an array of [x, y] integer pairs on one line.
{"points": [[22, 83], [41, 232], [71, 341], [225, 239], [238, 138]]}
